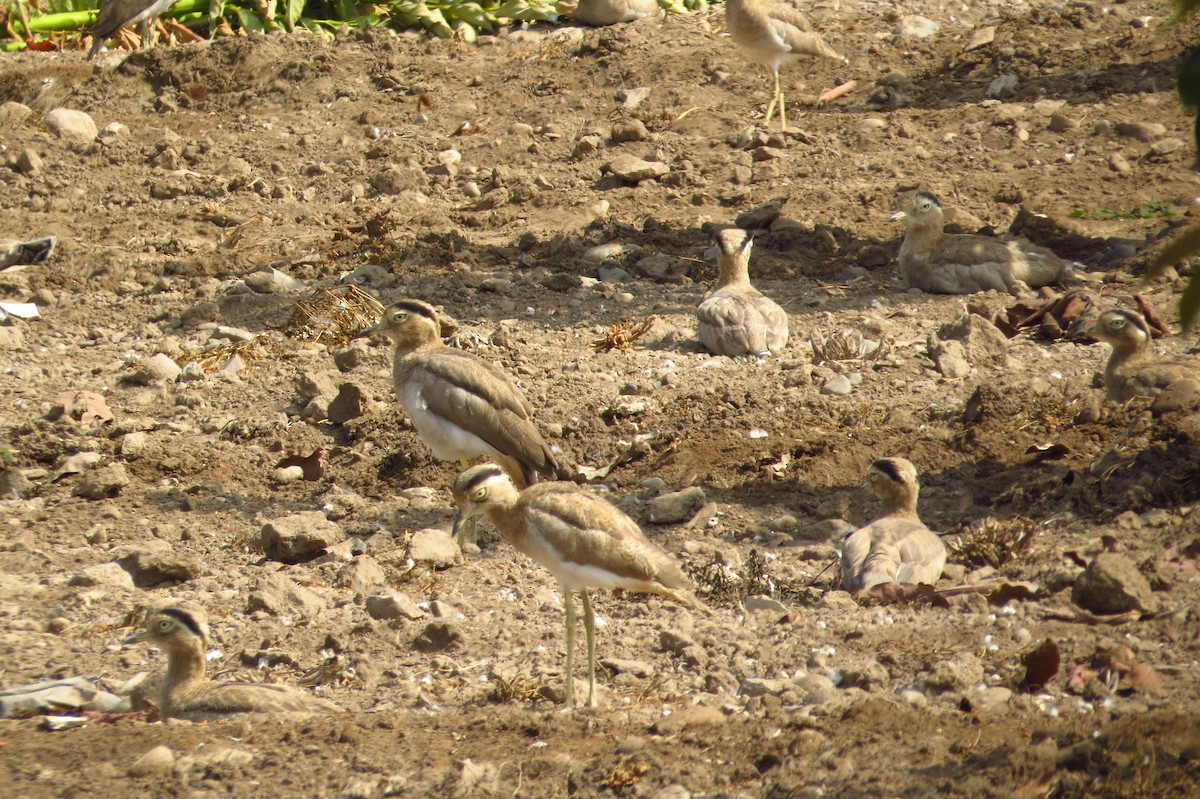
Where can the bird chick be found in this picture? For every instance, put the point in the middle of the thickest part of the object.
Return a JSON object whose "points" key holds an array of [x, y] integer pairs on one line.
{"points": [[461, 405], [181, 631], [117, 14], [896, 547], [951, 263], [736, 318], [581, 539], [774, 34], [1130, 371]]}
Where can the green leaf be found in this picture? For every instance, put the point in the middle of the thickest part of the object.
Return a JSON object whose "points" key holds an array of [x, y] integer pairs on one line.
{"points": [[464, 31], [471, 13], [1189, 303], [249, 20], [295, 12]]}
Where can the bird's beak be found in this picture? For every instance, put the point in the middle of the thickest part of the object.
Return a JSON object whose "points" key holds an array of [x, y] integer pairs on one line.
{"points": [[136, 637], [1081, 328], [899, 216], [369, 331], [458, 520]]}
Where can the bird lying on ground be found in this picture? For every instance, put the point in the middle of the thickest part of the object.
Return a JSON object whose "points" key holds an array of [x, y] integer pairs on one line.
{"points": [[580, 538], [181, 631], [896, 547], [956, 263], [737, 319], [1131, 370]]}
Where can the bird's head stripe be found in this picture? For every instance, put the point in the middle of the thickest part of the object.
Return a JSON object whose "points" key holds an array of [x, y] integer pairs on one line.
{"points": [[416, 307], [888, 467], [486, 473], [186, 619], [931, 197]]}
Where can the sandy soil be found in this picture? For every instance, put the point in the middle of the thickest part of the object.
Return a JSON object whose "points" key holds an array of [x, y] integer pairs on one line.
{"points": [[321, 160]]}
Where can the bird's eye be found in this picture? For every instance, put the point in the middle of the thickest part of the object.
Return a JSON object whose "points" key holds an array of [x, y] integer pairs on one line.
{"points": [[164, 625], [399, 316], [1116, 323], [480, 494]]}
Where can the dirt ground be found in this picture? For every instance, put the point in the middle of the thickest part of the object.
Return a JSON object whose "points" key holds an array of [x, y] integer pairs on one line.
{"points": [[324, 160]]}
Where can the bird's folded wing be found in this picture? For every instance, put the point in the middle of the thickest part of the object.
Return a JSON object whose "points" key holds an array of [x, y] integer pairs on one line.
{"points": [[259, 697], [585, 530], [795, 31], [726, 324]]}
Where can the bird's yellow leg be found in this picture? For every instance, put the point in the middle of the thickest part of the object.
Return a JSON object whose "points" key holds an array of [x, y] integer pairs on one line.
{"points": [[782, 104], [467, 531], [774, 99], [570, 680], [589, 630]]}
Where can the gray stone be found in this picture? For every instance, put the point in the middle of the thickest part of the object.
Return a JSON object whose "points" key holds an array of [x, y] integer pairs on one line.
{"points": [[438, 636], [1142, 131], [279, 595], [156, 368], [108, 575], [394, 180], [627, 130], [866, 673], [957, 673], [677, 506], [133, 445], [632, 98], [1112, 584], [759, 686], [632, 169], [950, 358], [837, 386], [311, 385], [980, 38], [151, 565], [103, 483], [435, 548], [67, 123], [756, 603], [396, 605], [351, 402], [159, 761], [301, 536], [29, 162], [814, 689], [913, 26], [985, 344], [638, 668], [361, 575], [11, 338], [1182, 395]]}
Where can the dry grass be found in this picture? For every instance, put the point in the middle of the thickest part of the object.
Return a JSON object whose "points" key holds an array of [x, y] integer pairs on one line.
{"points": [[995, 542]]}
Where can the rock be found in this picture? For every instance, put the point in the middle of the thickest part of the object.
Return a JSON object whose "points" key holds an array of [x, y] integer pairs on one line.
{"points": [[758, 686], [688, 718], [1142, 131], [610, 12], [754, 604], [1182, 395], [1112, 584], [638, 668], [151, 565], [311, 385], [361, 575], [397, 605], [949, 358], [299, 537], [980, 37], [677, 506], [814, 689], [866, 673], [13, 113], [632, 169], [393, 180], [67, 123], [13, 483], [103, 483], [632, 98], [133, 445], [156, 368], [837, 386], [109, 575], [271, 281], [627, 130], [351, 402], [1003, 86], [435, 548], [761, 217], [438, 636], [28, 162], [159, 761], [985, 344], [279, 595], [11, 338], [916, 27], [202, 313], [957, 673]]}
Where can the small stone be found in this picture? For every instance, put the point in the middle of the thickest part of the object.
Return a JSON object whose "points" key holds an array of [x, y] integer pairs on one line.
{"points": [[287, 474], [837, 386], [1061, 123], [677, 506], [632, 98], [981, 37], [279, 595], [103, 483], [917, 27], [351, 402], [1118, 163], [814, 689], [301, 536], [758, 686], [1167, 146], [638, 668], [689, 718], [866, 673], [133, 445], [435, 548], [29, 162], [627, 130], [632, 169], [985, 344], [1182, 395], [361, 575], [1002, 86], [109, 575], [152, 565], [757, 603], [393, 606], [950, 359], [67, 123], [438, 636], [1112, 584], [1142, 131], [156, 368], [956, 673], [159, 761]]}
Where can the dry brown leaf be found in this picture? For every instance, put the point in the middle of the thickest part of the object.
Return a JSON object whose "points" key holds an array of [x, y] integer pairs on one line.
{"points": [[86, 407], [904, 592]]}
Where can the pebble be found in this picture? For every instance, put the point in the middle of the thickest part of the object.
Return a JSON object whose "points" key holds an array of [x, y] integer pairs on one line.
{"points": [[435, 548], [632, 98], [298, 537], [158, 562], [1112, 583], [103, 483], [279, 595], [159, 761], [632, 169], [108, 575], [155, 369], [837, 386], [677, 506], [396, 605], [914, 26], [68, 123]]}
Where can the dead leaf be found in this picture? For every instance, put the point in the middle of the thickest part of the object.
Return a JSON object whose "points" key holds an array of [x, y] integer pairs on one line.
{"points": [[311, 465], [1144, 679], [1048, 452], [904, 592], [1041, 665], [1158, 328], [1037, 788], [86, 407]]}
